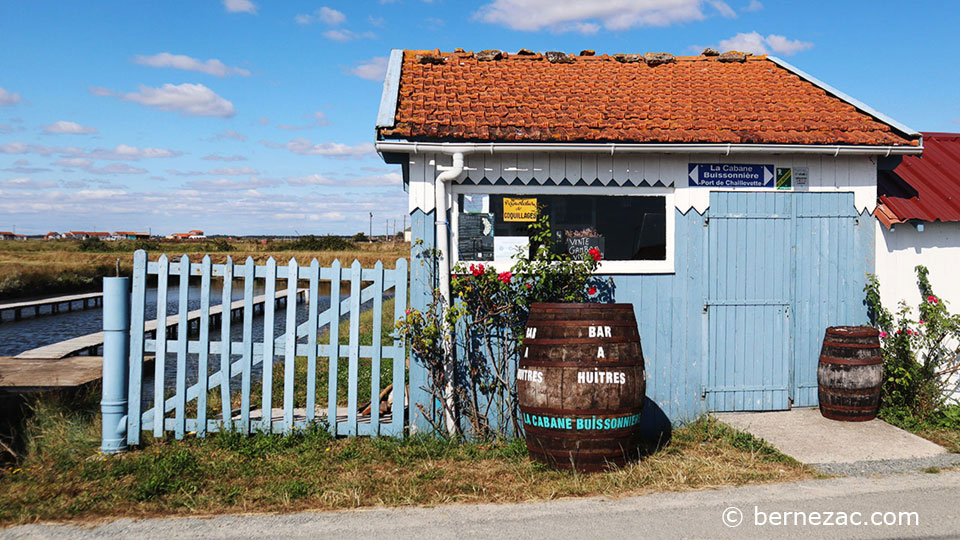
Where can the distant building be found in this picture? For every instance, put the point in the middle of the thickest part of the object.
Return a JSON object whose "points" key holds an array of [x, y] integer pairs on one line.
{"points": [[4, 235], [83, 235], [127, 235], [192, 235], [52, 235]]}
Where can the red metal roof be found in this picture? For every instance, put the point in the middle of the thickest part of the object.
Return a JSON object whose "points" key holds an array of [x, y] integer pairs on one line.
{"points": [[657, 98], [927, 187]]}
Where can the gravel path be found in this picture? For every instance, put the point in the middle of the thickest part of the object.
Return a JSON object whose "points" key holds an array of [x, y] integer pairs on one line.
{"points": [[888, 466]]}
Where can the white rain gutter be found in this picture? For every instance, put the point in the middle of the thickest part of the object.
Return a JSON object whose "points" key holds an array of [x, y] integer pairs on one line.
{"points": [[621, 148], [447, 174]]}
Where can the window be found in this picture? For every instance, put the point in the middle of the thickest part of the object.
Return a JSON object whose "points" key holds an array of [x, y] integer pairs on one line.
{"points": [[633, 230]]}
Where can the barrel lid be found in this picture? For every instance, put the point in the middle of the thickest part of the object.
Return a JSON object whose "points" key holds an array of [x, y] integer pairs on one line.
{"points": [[852, 331]]}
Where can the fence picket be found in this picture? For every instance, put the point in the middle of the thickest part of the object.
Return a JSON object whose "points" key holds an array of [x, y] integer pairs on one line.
{"points": [[269, 312], [313, 306], [183, 330], [399, 360], [334, 348], [163, 269], [137, 307], [203, 373], [353, 356], [226, 318], [290, 352], [248, 280], [373, 428]]}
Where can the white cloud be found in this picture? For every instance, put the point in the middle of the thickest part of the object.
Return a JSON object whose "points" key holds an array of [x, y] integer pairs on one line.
{"points": [[68, 127], [79, 163], [115, 168], [233, 171], [386, 179], [318, 118], [179, 61], [755, 43], [325, 15], [374, 69], [8, 98], [588, 17], [240, 6], [303, 146], [342, 34], [186, 99], [27, 183], [218, 157], [230, 134], [228, 184], [755, 5], [723, 8], [7, 128], [185, 173], [131, 153]]}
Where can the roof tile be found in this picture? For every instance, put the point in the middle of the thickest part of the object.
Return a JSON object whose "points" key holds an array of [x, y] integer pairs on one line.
{"points": [[699, 99]]}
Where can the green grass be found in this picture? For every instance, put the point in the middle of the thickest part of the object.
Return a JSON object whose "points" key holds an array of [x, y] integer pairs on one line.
{"points": [[61, 476], [941, 427]]}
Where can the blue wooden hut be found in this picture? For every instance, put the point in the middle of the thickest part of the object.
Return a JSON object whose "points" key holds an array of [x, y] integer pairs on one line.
{"points": [[731, 195]]}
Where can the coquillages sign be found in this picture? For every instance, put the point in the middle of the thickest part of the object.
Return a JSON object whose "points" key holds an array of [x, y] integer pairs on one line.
{"points": [[730, 175]]}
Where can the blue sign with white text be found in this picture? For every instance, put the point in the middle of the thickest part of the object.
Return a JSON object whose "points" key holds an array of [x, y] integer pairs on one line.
{"points": [[730, 175]]}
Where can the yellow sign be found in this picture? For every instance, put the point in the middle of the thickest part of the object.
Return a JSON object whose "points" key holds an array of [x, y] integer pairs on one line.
{"points": [[519, 209]]}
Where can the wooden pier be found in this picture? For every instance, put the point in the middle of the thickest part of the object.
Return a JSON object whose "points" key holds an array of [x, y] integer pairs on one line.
{"points": [[23, 376], [91, 343], [15, 311]]}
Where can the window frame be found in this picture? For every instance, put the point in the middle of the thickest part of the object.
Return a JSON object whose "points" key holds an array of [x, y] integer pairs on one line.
{"points": [[665, 266]]}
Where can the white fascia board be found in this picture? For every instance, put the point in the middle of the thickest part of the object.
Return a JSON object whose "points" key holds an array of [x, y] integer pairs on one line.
{"points": [[852, 101], [631, 148], [386, 116]]}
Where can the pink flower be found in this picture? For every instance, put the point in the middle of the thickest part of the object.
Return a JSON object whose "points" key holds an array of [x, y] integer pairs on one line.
{"points": [[932, 299], [408, 311], [921, 322], [504, 277], [883, 334], [592, 291]]}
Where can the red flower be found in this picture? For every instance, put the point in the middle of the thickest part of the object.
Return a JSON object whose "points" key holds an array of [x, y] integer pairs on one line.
{"points": [[921, 322], [883, 334], [899, 332], [504, 277], [932, 299], [477, 270], [592, 291], [595, 253], [529, 286]]}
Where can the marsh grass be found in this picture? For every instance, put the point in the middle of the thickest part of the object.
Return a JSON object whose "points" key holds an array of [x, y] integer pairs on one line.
{"points": [[62, 476], [45, 267]]}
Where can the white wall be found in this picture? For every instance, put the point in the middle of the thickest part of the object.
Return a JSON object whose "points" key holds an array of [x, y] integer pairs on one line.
{"points": [[901, 250]]}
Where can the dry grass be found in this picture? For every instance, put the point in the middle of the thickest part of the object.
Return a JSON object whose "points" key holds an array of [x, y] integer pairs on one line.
{"points": [[63, 477], [38, 267]]}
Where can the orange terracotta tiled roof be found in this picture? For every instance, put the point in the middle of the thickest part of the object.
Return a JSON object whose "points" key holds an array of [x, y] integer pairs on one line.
{"points": [[549, 98]]}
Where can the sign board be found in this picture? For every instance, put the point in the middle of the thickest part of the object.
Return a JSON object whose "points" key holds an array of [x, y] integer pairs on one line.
{"points": [[476, 203], [577, 247], [519, 209], [730, 175], [475, 237], [506, 247], [784, 178], [801, 176]]}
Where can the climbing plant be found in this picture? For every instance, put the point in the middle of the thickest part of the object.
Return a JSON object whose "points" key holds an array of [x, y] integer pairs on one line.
{"points": [[474, 380], [920, 354]]}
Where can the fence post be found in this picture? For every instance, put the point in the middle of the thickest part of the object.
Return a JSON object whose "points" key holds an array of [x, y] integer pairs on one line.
{"points": [[116, 355]]}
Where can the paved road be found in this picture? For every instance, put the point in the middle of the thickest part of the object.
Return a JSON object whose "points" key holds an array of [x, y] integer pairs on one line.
{"points": [[934, 497]]}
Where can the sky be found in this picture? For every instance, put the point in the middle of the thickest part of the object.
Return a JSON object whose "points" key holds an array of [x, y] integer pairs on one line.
{"points": [[257, 117]]}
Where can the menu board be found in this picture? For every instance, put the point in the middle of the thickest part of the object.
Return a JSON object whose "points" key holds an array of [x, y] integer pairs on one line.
{"points": [[475, 237]]}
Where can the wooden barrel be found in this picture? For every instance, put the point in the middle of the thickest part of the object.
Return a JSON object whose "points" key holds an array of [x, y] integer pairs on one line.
{"points": [[581, 386], [850, 373]]}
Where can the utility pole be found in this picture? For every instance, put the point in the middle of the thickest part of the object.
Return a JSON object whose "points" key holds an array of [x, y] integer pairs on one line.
{"points": [[371, 226]]}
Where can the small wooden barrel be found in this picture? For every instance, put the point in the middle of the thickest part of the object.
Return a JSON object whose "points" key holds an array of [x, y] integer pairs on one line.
{"points": [[581, 386], [850, 373]]}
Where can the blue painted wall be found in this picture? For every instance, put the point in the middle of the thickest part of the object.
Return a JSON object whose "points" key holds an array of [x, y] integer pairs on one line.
{"points": [[821, 273]]}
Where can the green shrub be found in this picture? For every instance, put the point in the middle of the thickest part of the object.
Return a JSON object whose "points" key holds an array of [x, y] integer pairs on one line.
{"points": [[313, 243]]}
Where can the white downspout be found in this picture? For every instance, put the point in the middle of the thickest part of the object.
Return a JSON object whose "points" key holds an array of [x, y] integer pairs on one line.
{"points": [[447, 174]]}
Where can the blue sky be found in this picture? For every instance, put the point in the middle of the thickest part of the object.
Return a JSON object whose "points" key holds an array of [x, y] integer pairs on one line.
{"points": [[249, 116]]}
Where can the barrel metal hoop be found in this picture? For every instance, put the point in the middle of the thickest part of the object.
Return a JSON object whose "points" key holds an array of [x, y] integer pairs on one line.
{"points": [[871, 361], [533, 363], [582, 413], [851, 345], [581, 341]]}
